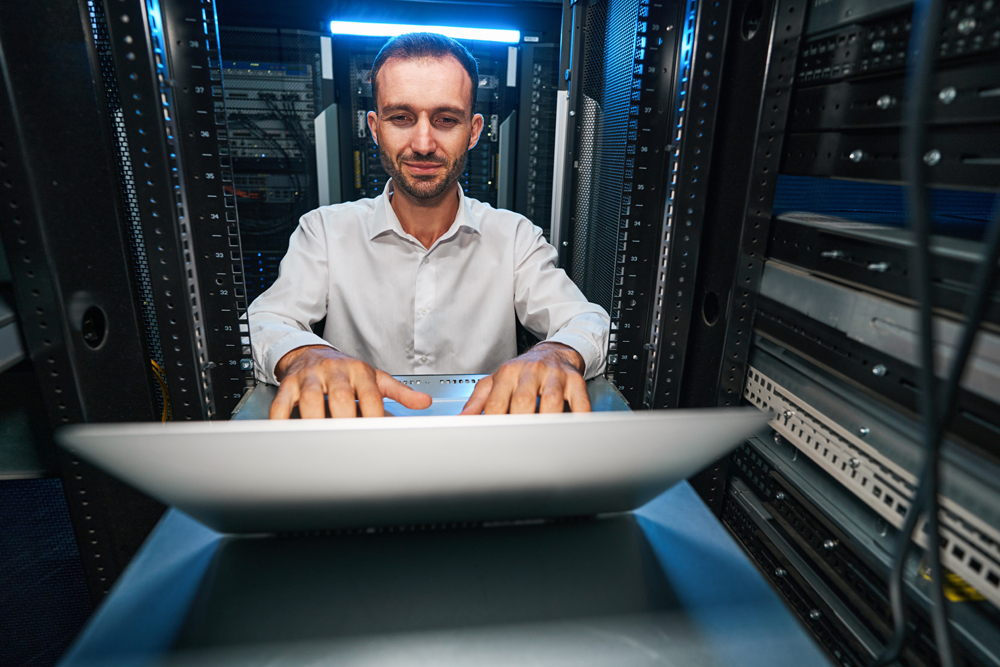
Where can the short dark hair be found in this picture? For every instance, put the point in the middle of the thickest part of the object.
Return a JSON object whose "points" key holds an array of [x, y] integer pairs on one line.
{"points": [[425, 45]]}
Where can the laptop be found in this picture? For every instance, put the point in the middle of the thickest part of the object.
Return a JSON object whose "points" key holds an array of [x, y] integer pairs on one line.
{"points": [[260, 476]]}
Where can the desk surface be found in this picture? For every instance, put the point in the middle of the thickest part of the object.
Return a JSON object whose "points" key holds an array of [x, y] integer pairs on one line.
{"points": [[662, 586]]}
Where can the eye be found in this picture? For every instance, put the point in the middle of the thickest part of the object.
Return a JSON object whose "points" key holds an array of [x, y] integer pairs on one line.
{"points": [[448, 121]]}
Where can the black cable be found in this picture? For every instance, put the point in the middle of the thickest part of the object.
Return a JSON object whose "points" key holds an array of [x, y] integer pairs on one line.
{"points": [[936, 418], [923, 43]]}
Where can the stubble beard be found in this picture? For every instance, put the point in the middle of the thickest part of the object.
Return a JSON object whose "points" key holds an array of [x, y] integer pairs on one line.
{"points": [[423, 187]]}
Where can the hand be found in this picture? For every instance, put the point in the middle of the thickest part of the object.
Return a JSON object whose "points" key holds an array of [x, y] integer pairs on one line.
{"points": [[308, 373], [550, 370]]}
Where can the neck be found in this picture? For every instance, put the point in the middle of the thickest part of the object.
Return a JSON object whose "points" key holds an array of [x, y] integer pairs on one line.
{"points": [[425, 219]]}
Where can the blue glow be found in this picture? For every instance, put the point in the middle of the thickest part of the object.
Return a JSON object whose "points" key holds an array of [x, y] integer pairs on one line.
{"points": [[393, 29]]}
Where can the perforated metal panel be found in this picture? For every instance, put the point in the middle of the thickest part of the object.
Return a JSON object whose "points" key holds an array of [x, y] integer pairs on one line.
{"points": [[606, 84], [43, 593], [140, 263]]}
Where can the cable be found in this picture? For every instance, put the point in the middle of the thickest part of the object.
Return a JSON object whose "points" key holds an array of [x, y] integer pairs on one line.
{"points": [[926, 30], [161, 379]]}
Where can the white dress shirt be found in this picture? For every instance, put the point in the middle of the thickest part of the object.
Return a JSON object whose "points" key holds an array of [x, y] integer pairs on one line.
{"points": [[410, 310]]}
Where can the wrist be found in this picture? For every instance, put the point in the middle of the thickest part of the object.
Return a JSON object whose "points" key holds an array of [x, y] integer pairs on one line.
{"points": [[565, 352], [281, 368]]}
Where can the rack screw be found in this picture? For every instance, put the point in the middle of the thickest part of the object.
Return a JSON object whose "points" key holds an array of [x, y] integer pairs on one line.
{"points": [[947, 95], [885, 102], [932, 157], [878, 46], [967, 25], [832, 254], [879, 370], [780, 572], [829, 545], [565, 244], [864, 430], [787, 414], [881, 267], [814, 614], [857, 155], [780, 495], [854, 463]]}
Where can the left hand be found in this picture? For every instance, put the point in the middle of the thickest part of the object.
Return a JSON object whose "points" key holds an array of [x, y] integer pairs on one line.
{"points": [[551, 370]]}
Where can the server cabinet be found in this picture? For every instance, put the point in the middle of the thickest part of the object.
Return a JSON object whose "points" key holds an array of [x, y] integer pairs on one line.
{"points": [[822, 323], [121, 229]]}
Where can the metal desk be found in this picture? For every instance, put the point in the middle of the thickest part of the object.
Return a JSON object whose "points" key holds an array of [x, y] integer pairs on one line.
{"points": [[665, 585]]}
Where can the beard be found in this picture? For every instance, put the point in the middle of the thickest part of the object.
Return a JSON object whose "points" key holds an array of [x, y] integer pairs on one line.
{"points": [[423, 187]]}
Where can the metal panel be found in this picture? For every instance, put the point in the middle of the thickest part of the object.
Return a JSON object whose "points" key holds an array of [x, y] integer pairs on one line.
{"points": [[211, 252], [883, 325], [967, 156], [801, 569], [851, 547], [844, 250], [64, 233], [773, 114], [969, 94], [878, 464], [11, 349], [879, 375]]}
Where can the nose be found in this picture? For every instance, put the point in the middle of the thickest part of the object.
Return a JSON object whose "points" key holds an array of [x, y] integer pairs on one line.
{"points": [[423, 141]]}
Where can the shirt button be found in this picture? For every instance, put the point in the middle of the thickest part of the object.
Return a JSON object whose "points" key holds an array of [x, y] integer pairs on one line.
{"points": [[424, 311], [423, 360], [426, 260]]}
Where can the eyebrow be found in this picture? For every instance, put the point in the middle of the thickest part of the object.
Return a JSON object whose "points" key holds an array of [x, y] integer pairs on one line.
{"points": [[392, 108]]}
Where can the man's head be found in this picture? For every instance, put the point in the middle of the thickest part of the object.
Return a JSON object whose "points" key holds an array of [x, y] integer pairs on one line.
{"points": [[425, 122], [416, 45]]}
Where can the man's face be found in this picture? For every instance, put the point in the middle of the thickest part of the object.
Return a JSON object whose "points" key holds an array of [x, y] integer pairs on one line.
{"points": [[424, 126]]}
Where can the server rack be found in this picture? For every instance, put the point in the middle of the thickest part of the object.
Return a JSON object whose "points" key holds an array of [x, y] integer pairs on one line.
{"points": [[121, 234], [273, 94], [757, 278]]}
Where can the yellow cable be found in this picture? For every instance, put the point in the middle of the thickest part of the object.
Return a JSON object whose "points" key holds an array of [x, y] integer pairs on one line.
{"points": [[161, 379]]}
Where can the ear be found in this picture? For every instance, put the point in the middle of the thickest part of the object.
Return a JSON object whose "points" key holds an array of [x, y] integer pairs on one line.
{"points": [[373, 125], [477, 129]]}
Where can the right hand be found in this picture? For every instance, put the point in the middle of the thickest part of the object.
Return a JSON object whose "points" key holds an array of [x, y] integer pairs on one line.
{"points": [[307, 374]]}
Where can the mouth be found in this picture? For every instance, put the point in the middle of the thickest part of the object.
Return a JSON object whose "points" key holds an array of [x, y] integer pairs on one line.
{"points": [[423, 168]]}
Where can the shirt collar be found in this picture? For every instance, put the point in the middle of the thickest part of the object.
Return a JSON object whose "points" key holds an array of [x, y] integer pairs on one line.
{"points": [[384, 218]]}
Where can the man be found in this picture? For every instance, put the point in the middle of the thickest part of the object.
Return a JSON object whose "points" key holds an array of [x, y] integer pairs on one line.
{"points": [[421, 279]]}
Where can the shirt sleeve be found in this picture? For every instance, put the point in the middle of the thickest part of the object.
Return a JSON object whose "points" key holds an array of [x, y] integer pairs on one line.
{"points": [[281, 318], [551, 306]]}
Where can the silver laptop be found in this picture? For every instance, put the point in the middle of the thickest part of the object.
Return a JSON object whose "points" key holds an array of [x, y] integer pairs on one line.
{"points": [[280, 476]]}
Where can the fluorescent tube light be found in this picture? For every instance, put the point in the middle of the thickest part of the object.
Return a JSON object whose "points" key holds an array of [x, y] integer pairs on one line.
{"points": [[393, 29]]}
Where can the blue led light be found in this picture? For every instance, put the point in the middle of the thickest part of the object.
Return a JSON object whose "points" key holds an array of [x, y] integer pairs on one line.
{"points": [[393, 29]]}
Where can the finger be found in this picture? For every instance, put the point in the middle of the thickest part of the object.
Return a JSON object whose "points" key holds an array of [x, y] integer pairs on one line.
{"points": [[399, 392], [340, 398], [369, 399], [498, 402], [524, 400], [311, 400], [476, 402], [553, 392], [284, 401], [576, 394]]}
